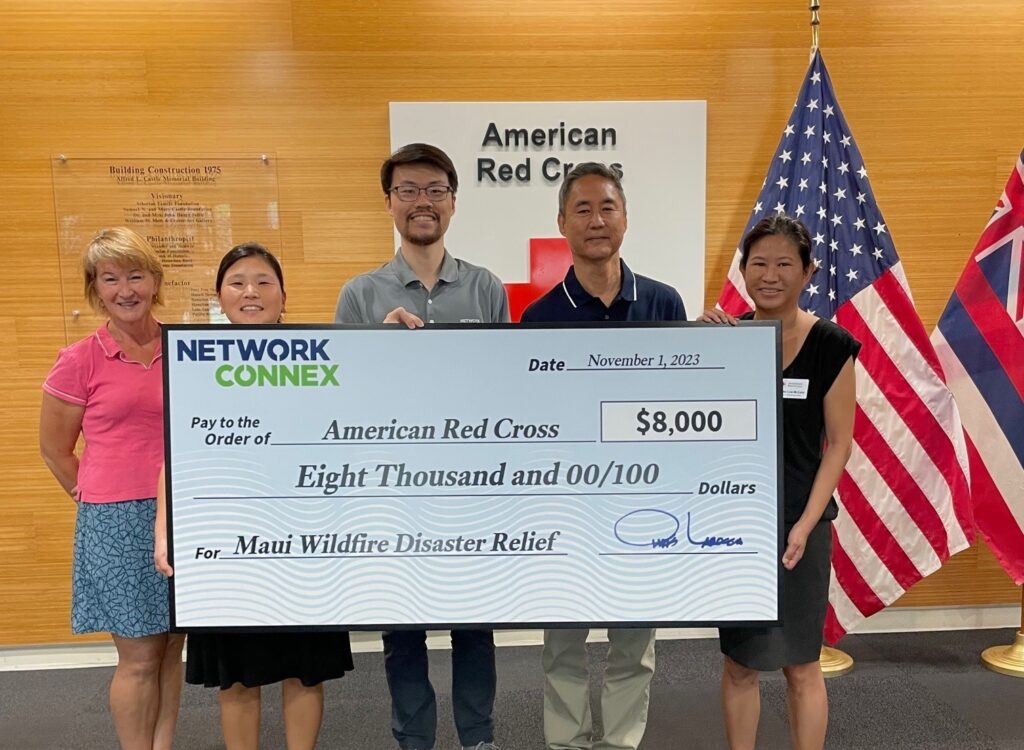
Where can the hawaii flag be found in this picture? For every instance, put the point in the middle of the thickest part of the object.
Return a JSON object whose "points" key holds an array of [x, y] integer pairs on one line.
{"points": [[980, 342], [904, 495]]}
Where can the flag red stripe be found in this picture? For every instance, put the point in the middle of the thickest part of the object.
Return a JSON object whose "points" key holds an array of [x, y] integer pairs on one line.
{"points": [[929, 433], [1009, 221], [834, 630], [881, 540], [935, 440], [731, 301], [904, 488], [905, 400], [990, 316], [853, 583], [997, 230], [892, 293], [995, 521]]}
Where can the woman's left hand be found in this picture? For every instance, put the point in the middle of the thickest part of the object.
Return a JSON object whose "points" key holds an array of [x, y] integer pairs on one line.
{"points": [[795, 545], [713, 315], [160, 556]]}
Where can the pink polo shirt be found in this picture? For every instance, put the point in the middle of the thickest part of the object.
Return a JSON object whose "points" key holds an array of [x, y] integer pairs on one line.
{"points": [[123, 424]]}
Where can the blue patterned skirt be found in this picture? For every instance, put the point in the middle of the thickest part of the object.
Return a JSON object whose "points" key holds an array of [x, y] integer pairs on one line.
{"points": [[115, 586]]}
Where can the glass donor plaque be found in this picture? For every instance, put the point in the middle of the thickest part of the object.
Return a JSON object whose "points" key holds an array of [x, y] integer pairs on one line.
{"points": [[192, 210]]}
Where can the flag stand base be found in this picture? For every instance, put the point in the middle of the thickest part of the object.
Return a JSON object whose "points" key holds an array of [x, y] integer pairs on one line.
{"points": [[1007, 660], [834, 663]]}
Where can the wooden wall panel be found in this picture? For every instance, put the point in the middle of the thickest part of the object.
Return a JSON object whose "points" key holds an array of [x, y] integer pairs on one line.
{"points": [[100, 25], [930, 88]]}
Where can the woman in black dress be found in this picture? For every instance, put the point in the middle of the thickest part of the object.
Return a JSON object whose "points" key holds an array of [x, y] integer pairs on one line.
{"points": [[819, 402], [250, 286]]}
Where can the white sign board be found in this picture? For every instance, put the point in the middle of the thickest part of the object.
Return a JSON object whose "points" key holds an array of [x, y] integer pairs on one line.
{"points": [[511, 158]]}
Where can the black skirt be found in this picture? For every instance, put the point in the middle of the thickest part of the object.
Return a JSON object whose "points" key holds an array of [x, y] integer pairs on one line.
{"points": [[254, 659], [804, 602]]}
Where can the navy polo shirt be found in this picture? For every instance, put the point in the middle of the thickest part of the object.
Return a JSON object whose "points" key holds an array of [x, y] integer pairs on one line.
{"points": [[640, 299]]}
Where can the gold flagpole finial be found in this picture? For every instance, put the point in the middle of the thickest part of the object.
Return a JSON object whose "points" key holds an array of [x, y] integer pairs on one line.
{"points": [[815, 6]]}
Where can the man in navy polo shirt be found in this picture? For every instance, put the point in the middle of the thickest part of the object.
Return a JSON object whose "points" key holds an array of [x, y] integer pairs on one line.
{"points": [[599, 286]]}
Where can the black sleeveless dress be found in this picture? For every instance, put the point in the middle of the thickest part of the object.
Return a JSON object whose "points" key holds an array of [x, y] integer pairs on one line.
{"points": [[805, 588]]}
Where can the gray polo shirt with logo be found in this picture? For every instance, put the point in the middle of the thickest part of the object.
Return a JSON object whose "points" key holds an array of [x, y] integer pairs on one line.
{"points": [[464, 293]]}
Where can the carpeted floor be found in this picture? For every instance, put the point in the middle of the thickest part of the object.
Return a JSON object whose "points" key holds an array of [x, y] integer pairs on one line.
{"points": [[914, 691]]}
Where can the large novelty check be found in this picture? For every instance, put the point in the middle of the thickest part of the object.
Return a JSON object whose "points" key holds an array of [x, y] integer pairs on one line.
{"points": [[507, 475]]}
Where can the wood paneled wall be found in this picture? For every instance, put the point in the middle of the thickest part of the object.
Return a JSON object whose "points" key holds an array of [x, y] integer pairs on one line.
{"points": [[931, 89]]}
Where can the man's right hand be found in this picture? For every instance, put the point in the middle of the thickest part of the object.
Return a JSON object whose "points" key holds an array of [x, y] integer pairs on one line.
{"points": [[402, 316]]}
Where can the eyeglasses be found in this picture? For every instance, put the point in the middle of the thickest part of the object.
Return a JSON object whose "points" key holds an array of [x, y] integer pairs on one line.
{"points": [[409, 193]]}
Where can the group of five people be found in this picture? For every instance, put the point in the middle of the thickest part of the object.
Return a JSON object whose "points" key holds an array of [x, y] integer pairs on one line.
{"points": [[108, 388]]}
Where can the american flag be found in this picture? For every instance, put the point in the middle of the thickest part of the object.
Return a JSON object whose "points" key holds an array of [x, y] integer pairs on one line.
{"points": [[904, 496], [980, 342]]}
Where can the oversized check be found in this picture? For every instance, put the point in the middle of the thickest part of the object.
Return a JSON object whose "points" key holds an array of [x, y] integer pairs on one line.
{"points": [[467, 475]]}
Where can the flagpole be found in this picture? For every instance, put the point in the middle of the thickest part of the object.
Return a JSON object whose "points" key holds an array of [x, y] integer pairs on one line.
{"points": [[1008, 660], [833, 661], [815, 5]]}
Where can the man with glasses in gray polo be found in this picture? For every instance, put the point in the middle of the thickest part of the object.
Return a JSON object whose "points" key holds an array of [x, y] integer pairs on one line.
{"points": [[424, 284]]}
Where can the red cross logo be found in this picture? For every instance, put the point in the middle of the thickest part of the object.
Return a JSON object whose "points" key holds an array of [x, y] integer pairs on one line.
{"points": [[549, 260]]}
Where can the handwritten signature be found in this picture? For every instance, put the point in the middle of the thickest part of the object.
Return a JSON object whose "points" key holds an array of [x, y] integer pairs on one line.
{"points": [[713, 541], [633, 530]]}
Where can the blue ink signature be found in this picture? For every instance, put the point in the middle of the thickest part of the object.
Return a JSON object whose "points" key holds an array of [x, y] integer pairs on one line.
{"points": [[651, 517], [713, 541], [656, 516]]}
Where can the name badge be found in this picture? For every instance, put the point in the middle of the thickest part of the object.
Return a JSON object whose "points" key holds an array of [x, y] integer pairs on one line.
{"points": [[795, 387]]}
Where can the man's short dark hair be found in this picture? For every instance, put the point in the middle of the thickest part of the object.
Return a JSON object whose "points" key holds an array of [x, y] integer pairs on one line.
{"points": [[784, 226], [418, 153], [613, 174]]}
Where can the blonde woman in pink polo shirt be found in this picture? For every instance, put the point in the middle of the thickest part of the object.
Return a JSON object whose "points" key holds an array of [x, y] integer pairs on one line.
{"points": [[108, 389]]}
